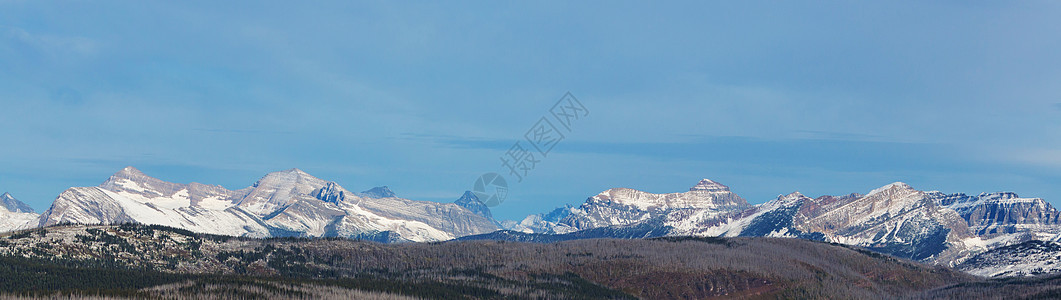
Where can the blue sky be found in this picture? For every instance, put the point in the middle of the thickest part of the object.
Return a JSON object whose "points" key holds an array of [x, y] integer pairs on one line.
{"points": [[768, 98]]}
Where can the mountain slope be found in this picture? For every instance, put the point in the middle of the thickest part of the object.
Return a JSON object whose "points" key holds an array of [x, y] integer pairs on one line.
{"points": [[14, 214], [1030, 258], [285, 203], [662, 268], [895, 219]]}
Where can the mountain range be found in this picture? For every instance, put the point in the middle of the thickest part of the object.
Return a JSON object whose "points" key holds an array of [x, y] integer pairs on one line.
{"points": [[974, 233], [285, 203], [895, 219]]}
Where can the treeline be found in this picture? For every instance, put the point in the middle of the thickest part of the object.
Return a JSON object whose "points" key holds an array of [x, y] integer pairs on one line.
{"points": [[30, 277]]}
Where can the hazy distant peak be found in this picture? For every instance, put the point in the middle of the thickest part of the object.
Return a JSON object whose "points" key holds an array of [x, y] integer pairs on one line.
{"points": [[467, 198], [379, 192], [289, 176], [471, 202], [709, 185], [11, 204], [294, 171], [129, 173]]}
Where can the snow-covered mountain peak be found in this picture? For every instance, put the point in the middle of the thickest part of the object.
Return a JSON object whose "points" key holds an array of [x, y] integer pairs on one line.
{"points": [[623, 206], [791, 196], [710, 186], [892, 188], [278, 190], [130, 170], [711, 197], [11, 204], [128, 173], [292, 173], [331, 192], [132, 180], [290, 177], [285, 203]]}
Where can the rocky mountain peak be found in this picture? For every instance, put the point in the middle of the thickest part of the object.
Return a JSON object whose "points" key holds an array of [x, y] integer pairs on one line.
{"points": [[468, 196], [331, 192], [128, 173], [709, 186], [473, 204], [290, 177], [791, 196], [277, 190], [130, 179], [892, 188], [379, 192], [11, 204]]}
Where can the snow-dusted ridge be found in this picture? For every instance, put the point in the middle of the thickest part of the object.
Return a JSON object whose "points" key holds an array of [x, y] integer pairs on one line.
{"points": [[285, 203], [896, 218]]}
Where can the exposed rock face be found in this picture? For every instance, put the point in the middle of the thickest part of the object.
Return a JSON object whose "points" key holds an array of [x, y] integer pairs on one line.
{"points": [[285, 203], [472, 203], [991, 214], [622, 206], [330, 192], [9, 203]]}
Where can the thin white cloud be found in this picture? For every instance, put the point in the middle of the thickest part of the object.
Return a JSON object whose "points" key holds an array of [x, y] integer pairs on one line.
{"points": [[56, 44], [1034, 157]]}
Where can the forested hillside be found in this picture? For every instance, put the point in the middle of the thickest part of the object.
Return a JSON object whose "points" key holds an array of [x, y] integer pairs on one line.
{"points": [[140, 258]]}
